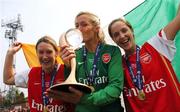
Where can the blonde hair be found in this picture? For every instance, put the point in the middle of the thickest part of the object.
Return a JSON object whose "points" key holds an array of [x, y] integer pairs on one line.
{"points": [[96, 22]]}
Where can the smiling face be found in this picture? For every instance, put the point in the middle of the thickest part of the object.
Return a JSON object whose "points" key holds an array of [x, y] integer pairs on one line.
{"points": [[47, 56], [123, 36], [47, 52]]}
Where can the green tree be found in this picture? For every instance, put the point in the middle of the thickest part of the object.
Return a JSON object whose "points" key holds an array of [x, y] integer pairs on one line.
{"points": [[13, 97]]}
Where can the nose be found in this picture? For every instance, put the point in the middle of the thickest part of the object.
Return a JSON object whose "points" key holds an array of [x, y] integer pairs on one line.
{"points": [[121, 35], [80, 28], [44, 56]]}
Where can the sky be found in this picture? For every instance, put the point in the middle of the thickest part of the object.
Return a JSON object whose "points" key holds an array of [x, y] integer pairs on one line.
{"points": [[52, 17]]}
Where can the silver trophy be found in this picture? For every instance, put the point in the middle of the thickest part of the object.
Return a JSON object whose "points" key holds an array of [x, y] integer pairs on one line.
{"points": [[73, 38]]}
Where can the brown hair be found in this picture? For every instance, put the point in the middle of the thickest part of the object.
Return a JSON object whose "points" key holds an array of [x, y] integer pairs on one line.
{"points": [[96, 22], [116, 20], [49, 40]]}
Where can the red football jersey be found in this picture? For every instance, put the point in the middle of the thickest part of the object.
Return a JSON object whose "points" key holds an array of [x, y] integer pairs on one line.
{"points": [[35, 92], [160, 84]]}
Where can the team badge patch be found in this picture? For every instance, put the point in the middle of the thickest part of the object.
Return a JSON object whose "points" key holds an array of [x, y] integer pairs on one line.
{"points": [[106, 58], [146, 58]]}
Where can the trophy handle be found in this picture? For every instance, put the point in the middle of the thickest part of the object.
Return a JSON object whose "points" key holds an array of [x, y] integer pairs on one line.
{"points": [[72, 77]]}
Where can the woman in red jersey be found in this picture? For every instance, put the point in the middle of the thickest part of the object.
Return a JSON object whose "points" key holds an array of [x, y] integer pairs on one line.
{"points": [[38, 79], [150, 82]]}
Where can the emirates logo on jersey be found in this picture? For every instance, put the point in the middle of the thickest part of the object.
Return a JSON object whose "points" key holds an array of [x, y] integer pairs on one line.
{"points": [[146, 58], [106, 58]]}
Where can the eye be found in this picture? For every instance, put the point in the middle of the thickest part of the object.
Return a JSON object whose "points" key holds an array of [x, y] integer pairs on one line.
{"points": [[116, 34], [76, 25], [49, 51], [124, 30], [84, 24], [40, 52]]}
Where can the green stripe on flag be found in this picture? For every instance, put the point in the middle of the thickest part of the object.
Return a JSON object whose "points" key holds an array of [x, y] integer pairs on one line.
{"points": [[151, 16]]}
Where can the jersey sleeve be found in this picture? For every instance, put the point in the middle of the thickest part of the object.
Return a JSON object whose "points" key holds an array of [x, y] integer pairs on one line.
{"points": [[21, 78], [162, 45], [114, 87]]}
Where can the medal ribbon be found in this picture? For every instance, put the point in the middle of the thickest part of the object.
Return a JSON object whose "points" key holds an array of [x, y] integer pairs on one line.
{"points": [[53, 74], [91, 76], [137, 80]]}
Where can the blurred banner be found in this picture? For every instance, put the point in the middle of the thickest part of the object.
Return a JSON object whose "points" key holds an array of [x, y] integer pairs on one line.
{"points": [[151, 16]]}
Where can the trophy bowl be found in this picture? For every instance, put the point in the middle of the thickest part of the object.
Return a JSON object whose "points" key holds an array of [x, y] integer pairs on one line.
{"points": [[73, 38]]}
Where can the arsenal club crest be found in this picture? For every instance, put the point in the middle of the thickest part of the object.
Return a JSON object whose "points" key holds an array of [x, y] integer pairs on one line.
{"points": [[106, 58], [146, 58]]}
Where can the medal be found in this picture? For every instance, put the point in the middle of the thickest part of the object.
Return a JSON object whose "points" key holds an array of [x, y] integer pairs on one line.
{"points": [[44, 97], [141, 95], [45, 109], [137, 79]]}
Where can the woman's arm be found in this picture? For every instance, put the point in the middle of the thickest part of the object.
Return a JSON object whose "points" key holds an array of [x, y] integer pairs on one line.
{"points": [[173, 27], [8, 73]]}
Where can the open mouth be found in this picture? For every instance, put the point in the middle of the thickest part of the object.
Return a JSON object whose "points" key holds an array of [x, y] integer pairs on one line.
{"points": [[125, 42], [45, 62]]}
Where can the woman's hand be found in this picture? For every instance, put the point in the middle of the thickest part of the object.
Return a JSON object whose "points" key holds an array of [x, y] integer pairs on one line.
{"points": [[73, 96], [14, 48], [66, 54]]}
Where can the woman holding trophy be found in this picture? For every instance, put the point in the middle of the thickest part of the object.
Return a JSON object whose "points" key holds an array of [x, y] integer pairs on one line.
{"points": [[97, 66]]}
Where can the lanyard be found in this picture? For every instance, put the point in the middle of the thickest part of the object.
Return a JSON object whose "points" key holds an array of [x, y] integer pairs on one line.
{"points": [[53, 74], [91, 75], [137, 80]]}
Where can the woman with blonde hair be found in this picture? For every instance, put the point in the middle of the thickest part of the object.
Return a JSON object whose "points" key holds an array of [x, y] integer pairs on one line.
{"points": [[98, 66]]}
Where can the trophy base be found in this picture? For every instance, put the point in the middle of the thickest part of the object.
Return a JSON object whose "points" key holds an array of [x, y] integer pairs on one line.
{"points": [[64, 87]]}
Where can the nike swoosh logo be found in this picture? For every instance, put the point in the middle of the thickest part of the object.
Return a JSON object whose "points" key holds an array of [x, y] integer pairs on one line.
{"points": [[80, 63]]}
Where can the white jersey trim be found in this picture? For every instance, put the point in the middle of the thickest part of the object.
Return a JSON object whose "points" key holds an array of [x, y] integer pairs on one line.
{"points": [[21, 78], [163, 46]]}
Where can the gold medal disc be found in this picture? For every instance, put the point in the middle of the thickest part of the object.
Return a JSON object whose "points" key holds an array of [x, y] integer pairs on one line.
{"points": [[141, 95], [45, 109]]}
